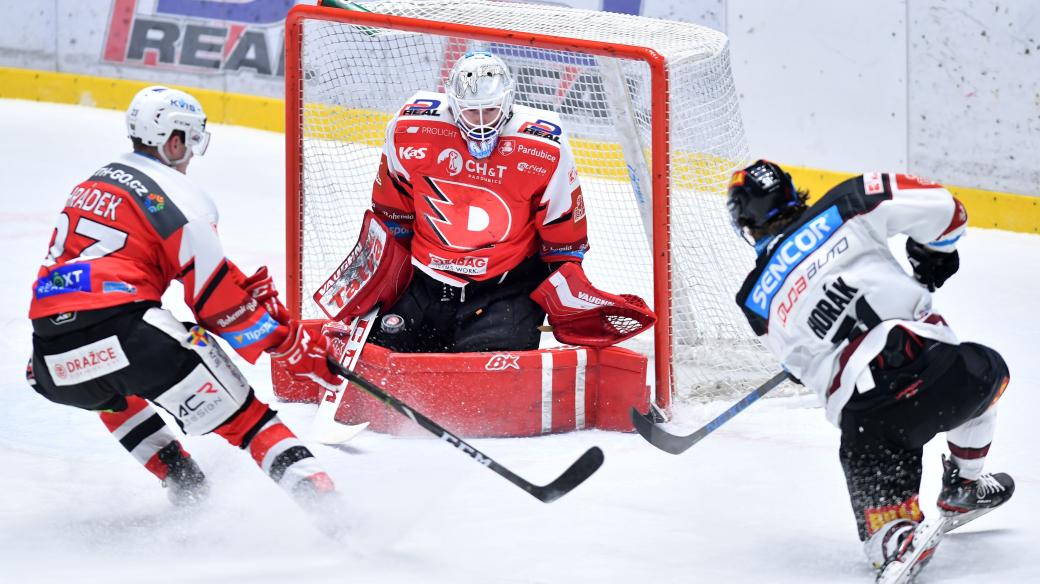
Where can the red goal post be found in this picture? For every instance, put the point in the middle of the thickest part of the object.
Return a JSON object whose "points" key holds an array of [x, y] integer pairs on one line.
{"points": [[309, 139]]}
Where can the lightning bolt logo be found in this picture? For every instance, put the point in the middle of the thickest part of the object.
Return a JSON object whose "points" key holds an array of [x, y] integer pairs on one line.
{"points": [[466, 217]]}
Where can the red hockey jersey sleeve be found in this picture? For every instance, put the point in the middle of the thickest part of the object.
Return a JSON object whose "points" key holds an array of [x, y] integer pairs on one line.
{"points": [[392, 195], [560, 215]]}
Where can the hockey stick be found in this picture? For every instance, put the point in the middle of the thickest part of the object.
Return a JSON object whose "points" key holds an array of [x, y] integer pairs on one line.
{"points": [[325, 428], [673, 444], [581, 469]]}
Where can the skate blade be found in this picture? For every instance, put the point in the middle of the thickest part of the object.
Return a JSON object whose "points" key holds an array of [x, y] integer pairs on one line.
{"points": [[336, 433], [926, 539], [955, 520]]}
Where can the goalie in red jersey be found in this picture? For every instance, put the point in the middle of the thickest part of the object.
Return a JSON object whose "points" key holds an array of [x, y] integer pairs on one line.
{"points": [[484, 201], [103, 342]]}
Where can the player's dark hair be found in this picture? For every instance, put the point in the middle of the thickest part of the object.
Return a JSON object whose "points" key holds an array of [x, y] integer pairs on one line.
{"points": [[783, 219]]}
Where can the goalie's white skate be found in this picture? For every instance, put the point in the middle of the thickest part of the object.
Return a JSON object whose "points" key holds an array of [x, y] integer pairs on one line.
{"points": [[914, 553]]}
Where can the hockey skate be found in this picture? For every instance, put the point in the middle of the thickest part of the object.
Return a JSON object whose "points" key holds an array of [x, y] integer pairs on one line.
{"points": [[185, 482], [963, 500], [317, 496], [913, 548]]}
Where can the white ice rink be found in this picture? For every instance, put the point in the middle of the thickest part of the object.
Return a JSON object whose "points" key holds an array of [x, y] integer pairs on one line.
{"points": [[762, 500]]}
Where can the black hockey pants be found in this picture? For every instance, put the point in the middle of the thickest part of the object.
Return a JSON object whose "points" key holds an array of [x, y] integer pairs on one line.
{"points": [[494, 315], [923, 387]]}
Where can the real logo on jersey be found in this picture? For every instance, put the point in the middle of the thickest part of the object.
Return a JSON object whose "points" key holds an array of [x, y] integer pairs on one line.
{"points": [[788, 255], [411, 152], [63, 280], [467, 217], [453, 158], [542, 129], [421, 107]]}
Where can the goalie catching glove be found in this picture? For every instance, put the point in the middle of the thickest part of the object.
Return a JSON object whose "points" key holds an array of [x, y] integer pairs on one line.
{"points": [[582, 315]]}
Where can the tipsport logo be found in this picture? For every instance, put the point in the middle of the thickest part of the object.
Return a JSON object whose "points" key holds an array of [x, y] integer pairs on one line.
{"points": [[199, 35]]}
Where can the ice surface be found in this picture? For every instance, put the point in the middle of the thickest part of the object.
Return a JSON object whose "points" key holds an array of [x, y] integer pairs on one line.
{"points": [[761, 500]]}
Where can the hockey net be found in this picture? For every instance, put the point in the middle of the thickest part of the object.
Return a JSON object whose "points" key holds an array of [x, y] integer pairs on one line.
{"points": [[652, 114]]}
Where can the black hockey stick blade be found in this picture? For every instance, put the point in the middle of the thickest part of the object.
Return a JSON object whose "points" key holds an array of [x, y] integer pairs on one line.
{"points": [[672, 444], [587, 464]]}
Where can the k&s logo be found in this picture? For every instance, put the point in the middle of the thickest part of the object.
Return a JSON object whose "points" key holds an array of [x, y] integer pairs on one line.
{"points": [[410, 152]]}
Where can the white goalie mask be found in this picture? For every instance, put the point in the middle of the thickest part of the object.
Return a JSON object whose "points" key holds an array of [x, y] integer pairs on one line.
{"points": [[480, 94], [157, 111]]}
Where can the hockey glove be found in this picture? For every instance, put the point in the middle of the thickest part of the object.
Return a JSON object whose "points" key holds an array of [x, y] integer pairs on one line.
{"points": [[305, 356], [261, 287], [582, 315], [931, 267]]}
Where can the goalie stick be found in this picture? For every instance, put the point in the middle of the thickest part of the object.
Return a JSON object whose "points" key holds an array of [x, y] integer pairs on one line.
{"points": [[587, 464], [325, 428], [672, 444]]}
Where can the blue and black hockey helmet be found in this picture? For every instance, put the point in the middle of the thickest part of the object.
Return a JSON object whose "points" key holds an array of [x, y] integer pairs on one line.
{"points": [[759, 193]]}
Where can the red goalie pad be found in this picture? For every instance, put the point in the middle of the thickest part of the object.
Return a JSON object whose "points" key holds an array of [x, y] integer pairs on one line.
{"points": [[377, 271], [582, 315]]}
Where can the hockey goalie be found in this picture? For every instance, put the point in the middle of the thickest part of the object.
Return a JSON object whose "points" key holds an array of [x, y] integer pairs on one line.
{"points": [[481, 228]]}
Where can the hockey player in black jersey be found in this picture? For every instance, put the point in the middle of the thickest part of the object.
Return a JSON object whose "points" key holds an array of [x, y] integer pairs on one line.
{"points": [[828, 298]]}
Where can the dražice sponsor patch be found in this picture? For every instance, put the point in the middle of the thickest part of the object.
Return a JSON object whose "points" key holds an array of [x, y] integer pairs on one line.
{"points": [[87, 362]]}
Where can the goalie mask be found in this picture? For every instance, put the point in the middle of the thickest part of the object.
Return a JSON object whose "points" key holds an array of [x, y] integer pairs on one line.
{"points": [[156, 112], [480, 94]]}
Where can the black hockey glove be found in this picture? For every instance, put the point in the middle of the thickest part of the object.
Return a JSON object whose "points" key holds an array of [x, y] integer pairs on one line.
{"points": [[931, 268]]}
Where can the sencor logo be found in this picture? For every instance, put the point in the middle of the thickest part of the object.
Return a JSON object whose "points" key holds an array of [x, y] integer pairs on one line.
{"points": [[795, 248]]}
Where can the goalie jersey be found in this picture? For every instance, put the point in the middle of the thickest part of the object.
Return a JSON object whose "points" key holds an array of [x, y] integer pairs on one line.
{"points": [[826, 292], [469, 219]]}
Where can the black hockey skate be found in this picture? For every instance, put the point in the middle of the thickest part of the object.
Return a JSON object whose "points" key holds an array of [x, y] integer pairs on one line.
{"points": [[185, 482], [963, 500]]}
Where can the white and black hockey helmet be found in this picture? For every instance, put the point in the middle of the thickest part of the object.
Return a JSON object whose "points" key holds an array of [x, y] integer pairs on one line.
{"points": [[480, 93], [157, 111]]}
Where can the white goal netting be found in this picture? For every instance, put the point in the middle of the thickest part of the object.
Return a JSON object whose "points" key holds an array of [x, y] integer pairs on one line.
{"points": [[355, 77]]}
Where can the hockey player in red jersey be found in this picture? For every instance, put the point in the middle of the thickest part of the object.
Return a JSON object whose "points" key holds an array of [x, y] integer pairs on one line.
{"points": [[484, 195], [830, 301], [102, 342]]}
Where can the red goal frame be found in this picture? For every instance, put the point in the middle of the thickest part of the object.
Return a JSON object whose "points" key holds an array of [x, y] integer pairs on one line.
{"points": [[660, 156]]}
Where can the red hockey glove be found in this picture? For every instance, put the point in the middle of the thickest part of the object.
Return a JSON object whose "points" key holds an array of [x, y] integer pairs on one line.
{"points": [[582, 315], [261, 287], [305, 355]]}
